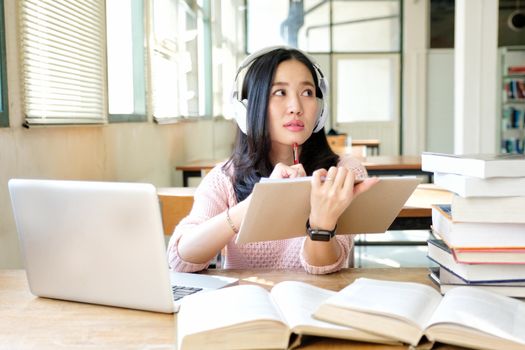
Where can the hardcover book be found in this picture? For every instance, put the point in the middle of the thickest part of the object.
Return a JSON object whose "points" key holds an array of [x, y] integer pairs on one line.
{"points": [[440, 253], [489, 255], [285, 203], [250, 317], [407, 311], [477, 165], [459, 234], [469, 186], [446, 281], [489, 209]]}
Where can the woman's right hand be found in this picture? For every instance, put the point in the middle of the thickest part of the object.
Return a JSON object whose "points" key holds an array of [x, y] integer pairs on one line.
{"points": [[283, 171]]}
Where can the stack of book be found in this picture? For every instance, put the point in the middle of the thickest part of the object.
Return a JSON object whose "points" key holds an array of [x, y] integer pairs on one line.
{"points": [[481, 234]]}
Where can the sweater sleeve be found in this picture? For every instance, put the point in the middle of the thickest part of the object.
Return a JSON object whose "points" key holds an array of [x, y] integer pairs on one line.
{"points": [[355, 165], [346, 243], [213, 196]]}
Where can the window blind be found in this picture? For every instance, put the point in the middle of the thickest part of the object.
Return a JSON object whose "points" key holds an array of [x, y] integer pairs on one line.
{"points": [[63, 65]]}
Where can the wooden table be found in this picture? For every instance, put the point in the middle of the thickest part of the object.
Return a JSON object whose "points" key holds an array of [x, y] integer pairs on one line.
{"points": [[196, 168], [370, 144], [28, 322], [395, 166], [417, 212], [375, 165]]}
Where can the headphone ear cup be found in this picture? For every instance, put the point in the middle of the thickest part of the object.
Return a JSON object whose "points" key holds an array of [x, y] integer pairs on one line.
{"points": [[239, 113], [322, 113]]}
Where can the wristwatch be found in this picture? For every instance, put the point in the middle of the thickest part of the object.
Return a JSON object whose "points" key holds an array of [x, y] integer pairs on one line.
{"points": [[319, 234]]}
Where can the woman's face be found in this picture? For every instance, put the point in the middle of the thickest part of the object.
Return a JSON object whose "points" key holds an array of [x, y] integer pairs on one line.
{"points": [[292, 107]]}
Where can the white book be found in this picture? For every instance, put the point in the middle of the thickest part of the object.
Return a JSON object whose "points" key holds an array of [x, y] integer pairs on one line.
{"points": [[489, 209], [469, 186], [477, 165], [250, 317], [406, 311], [475, 234]]}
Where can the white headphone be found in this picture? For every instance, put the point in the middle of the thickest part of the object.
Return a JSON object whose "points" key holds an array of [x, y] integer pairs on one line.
{"points": [[240, 105]]}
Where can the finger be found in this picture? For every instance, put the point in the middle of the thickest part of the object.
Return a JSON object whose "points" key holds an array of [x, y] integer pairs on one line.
{"points": [[330, 175], [340, 176], [300, 169], [293, 172], [317, 177], [365, 185], [349, 182]]}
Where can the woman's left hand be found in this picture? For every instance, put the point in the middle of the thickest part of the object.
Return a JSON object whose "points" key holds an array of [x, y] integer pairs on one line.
{"points": [[283, 171], [332, 192]]}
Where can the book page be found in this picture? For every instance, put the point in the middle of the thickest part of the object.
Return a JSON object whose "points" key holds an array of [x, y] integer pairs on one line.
{"points": [[225, 307], [411, 302], [297, 302], [484, 311]]}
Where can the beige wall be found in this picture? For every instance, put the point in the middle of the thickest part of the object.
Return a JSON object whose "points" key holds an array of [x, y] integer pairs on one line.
{"points": [[142, 152]]}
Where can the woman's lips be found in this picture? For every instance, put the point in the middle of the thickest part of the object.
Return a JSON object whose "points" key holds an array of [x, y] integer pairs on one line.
{"points": [[294, 125]]}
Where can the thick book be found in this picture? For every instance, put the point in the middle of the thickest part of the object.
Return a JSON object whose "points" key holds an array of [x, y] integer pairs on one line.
{"points": [[469, 186], [407, 311], [250, 317], [279, 208], [508, 210], [459, 234], [441, 254], [477, 165], [446, 281]]}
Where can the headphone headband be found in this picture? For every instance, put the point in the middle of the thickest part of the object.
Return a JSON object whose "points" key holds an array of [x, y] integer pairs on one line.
{"points": [[240, 105]]}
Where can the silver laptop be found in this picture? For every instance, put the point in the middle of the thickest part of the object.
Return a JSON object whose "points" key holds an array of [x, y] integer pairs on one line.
{"points": [[100, 243]]}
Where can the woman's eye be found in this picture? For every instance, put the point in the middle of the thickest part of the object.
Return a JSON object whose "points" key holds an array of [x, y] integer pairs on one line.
{"points": [[308, 92], [279, 92]]}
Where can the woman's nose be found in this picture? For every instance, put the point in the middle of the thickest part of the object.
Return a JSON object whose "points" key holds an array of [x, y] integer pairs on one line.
{"points": [[295, 106]]}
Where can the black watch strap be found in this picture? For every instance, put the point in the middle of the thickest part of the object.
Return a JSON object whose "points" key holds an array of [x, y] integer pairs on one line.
{"points": [[319, 234]]}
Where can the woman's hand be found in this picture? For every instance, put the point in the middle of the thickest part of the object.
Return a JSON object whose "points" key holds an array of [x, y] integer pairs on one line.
{"points": [[332, 192], [283, 171]]}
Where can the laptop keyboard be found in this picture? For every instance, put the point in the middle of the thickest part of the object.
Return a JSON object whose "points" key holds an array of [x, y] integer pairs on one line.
{"points": [[180, 292]]}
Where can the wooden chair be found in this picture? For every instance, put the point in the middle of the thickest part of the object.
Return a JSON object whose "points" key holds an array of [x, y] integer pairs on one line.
{"points": [[176, 203], [337, 140]]}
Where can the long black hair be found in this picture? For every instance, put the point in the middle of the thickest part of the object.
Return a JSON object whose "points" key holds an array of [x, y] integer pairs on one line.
{"points": [[251, 153]]}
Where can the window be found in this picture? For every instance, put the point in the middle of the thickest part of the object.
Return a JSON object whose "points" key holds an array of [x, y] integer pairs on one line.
{"points": [[178, 65], [361, 38], [126, 60], [367, 88], [85, 62], [325, 26], [4, 120], [63, 61], [227, 42]]}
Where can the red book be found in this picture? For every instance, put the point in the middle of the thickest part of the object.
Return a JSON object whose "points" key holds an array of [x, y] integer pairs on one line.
{"points": [[516, 69]]}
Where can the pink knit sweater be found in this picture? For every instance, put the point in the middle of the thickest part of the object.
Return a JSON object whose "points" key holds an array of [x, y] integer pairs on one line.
{"points": [[214, 195]]}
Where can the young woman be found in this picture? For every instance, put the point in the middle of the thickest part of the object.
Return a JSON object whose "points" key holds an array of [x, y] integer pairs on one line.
{"points": [[284, 102]]}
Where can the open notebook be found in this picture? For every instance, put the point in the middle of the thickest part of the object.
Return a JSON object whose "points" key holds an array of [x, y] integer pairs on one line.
{"points": [[101, 243]]}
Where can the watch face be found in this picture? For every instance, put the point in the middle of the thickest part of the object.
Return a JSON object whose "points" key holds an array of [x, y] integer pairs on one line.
{"points": [[320, 236]]}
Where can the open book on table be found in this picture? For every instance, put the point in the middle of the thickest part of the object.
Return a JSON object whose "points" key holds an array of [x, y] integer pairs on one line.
{"points": [[406, 311], [250, 317]]}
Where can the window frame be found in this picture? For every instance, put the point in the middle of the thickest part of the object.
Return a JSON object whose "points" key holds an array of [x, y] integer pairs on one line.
{"points": [[140, 110], [4, 111]]}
